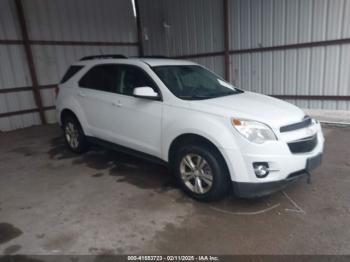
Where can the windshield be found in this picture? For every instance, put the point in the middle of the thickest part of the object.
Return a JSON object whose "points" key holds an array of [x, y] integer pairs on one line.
{"points": [[192, 82]]}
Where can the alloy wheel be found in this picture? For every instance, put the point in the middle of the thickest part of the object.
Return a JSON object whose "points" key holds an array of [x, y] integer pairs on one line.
{"points": [[196, 173], [72, 135]]}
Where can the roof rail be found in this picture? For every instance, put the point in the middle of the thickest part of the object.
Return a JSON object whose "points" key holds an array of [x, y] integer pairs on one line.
{"points": [[101, 57], [154, 56]]}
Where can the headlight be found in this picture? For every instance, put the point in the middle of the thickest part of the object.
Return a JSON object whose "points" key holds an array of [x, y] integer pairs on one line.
{"points": [[253, 131]]}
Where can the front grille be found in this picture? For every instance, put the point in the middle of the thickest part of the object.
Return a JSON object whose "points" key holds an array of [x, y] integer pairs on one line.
{"points": [[304, 145], [304, 123]]}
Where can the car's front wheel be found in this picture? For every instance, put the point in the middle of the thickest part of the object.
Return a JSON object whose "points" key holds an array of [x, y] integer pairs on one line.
{"points": [[74, 135], [202, 173]]}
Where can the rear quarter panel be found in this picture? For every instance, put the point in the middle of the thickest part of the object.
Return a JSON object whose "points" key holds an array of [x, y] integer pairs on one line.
{"points": [[67, 99]]}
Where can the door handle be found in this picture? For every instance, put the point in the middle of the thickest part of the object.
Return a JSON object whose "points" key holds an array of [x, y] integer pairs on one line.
{"points": [[82, 94]]}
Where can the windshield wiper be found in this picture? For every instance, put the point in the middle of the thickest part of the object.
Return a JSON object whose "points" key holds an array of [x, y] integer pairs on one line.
{"points": [[236, 92], [195, 97], [199, 97]]}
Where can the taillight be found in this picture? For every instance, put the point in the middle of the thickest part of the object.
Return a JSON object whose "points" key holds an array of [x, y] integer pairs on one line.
{"points": [[56, 90]]}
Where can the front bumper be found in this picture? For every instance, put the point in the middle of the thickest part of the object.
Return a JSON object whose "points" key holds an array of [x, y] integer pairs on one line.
{"points": [[281, 161], [256, 190]]}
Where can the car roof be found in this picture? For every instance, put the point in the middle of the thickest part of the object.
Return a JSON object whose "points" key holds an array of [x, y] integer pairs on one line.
{"points": [[149, 61]]}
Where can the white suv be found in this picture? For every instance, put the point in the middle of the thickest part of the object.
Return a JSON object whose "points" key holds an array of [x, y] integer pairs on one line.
{"points": [[214, 136]]}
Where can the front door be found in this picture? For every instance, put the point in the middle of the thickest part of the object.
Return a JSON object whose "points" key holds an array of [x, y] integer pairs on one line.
{"points": [[139, 120]]}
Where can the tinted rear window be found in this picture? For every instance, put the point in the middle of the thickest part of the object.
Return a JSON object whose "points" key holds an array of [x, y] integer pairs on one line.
{"points": [[102, 77], [70, 72]]}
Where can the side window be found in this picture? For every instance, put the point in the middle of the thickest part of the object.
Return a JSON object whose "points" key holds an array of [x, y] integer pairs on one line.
{"points": [[102, 77], [131, 77], [72, 70]]}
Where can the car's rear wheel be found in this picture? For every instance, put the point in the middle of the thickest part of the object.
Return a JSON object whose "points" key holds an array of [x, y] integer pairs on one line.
{"points": [[74, 135], [202, 173]]}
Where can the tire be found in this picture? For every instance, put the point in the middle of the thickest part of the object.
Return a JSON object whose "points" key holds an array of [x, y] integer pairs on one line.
{"points": [[74, 135], [215, 165]]}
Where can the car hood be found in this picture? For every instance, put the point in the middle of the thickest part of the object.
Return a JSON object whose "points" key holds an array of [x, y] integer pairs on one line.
{"points": [[248, 105]]}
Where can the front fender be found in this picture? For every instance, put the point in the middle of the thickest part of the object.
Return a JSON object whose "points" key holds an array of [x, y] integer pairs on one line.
{"points": [[216, 129]]}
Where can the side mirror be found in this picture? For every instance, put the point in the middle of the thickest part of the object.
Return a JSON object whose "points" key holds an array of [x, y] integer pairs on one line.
{"points": [[145, 92]]}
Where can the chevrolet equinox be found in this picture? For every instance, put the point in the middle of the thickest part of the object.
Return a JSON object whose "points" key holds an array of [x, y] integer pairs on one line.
{"points": [[214, 137]]}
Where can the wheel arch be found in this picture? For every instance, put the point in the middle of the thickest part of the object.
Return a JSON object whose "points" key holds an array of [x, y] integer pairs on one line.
{"points": [[67, 112], [192, 138]]}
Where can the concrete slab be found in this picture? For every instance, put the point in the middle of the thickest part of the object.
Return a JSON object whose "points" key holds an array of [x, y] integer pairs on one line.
{"points": [[56, 202]]}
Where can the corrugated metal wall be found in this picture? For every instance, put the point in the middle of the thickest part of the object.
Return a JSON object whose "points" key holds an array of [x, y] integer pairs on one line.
{"points": [[190, 27], [305, 71], [14, 73], [184, 27], [177, 28], [63, 20]]}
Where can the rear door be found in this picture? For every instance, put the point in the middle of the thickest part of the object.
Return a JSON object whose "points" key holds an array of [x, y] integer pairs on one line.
{"points": [[97, 93]]}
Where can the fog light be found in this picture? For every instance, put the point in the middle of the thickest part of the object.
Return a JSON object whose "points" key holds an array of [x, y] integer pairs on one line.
{"points": [[261, 169]]}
